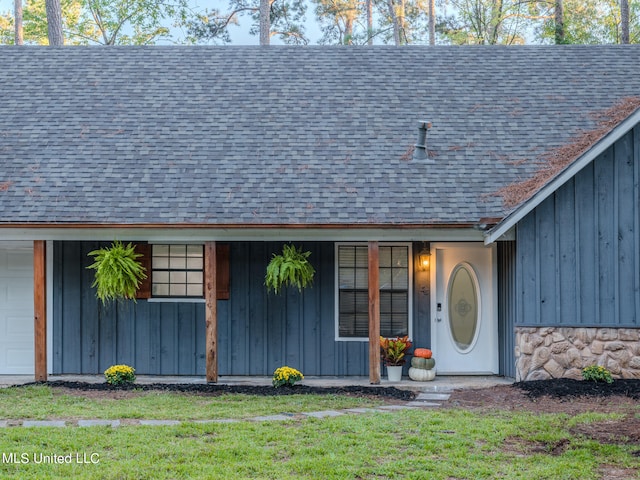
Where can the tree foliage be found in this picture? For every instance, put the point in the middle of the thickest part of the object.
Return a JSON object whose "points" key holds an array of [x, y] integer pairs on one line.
{"points": [[286, 21], [104, 22]]}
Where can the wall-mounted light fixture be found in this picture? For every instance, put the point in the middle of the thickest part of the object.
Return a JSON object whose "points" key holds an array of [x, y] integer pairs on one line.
{"points": [[423, 258]]}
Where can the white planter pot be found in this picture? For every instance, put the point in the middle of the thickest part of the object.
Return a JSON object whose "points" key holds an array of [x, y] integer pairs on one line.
{"points": [[394, 373]]}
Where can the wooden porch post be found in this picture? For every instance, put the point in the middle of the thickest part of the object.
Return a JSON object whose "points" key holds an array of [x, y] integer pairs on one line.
{"points": [[211, 302], [374, 313], [40, 309]]}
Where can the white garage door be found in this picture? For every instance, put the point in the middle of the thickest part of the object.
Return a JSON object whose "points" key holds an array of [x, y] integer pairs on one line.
{"points": [[16, 309]]}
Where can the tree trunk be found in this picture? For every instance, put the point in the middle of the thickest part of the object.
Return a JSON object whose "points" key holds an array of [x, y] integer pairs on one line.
{"points": [[432, 22], [265, 22], [370, 22], [624, 21], [394, 21], [559, 21], [54, 22], [17, 14]]}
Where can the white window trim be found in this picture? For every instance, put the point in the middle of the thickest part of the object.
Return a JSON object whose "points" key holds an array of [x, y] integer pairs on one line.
{"points": [[175, 300], [336, 292]]}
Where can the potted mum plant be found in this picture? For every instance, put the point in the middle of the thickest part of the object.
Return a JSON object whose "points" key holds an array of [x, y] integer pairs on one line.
{"points": [[393, 352]]}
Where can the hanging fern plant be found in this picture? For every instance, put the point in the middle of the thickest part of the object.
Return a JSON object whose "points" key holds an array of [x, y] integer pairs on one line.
{"points": [[291, 268], [118, 272]]}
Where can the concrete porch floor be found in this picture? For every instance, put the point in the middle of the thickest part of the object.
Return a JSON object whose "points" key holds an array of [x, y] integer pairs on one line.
{"points": [[439, 384]]}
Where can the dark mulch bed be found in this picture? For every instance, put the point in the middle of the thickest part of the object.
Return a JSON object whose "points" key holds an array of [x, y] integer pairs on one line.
{"points": [[219, 389], [568, 388]]}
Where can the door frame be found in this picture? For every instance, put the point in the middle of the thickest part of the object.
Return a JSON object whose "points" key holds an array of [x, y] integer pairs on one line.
{"points": [[493, 347]]}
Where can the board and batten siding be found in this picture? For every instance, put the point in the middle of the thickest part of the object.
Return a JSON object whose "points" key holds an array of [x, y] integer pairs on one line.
{"points": [[578, 258], [506, 308], [257, 332]]}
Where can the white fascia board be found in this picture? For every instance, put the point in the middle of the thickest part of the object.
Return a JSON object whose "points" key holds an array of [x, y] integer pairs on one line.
{"points": [[179, 235], [561, 178]]}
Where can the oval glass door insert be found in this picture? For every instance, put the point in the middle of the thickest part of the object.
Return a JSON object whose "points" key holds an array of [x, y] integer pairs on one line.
{"points": [[463, 308]]}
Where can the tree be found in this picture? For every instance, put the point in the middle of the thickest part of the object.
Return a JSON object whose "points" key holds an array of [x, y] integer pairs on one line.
{"points": [[286, 21], [129, 22], [265, 22], [432, 22], [106, 22], [624, 21], [54, 22], [589, 22], [559, 22], [338, 20], [17, 15], [486, 22]]}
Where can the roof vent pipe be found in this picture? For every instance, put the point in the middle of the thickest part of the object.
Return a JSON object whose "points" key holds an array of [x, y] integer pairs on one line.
{"points": [[420, 152]]}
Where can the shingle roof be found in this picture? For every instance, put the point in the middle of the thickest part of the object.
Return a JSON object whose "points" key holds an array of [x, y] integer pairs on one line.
{"points": [[288, 135]]}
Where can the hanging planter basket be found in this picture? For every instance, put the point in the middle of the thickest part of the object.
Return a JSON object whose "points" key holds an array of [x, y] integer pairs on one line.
{"points": [[118, 272], [291, 268]]}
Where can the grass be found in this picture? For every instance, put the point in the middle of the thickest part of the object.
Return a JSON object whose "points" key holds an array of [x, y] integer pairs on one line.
{"points": [[416, 444], [42, 402]]}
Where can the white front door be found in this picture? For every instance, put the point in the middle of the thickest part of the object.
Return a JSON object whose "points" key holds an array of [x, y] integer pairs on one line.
{"points": [[16, 310], [464, 327]]}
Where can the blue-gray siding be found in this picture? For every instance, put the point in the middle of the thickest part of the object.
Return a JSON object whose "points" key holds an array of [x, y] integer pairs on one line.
{"points": [[257, 332], [578, 259], [506, 307]]}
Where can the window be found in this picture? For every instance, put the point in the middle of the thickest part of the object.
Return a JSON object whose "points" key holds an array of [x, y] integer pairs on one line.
{"points": [[353, 295], [177, 271]]}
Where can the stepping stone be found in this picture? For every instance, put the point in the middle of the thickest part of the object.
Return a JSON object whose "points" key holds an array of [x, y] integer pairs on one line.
{"points": [[159, 423], [418, 404], [360, 410], [269, 418], [219, 420], [44, 423], [3, 423], [396, 407], [98, 423], [323, 414], [433, 396]]}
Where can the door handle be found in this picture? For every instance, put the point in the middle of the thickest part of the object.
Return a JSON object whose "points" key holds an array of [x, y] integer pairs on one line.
{"points": [[438, 319]]}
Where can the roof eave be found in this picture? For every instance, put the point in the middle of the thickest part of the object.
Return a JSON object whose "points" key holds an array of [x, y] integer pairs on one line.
{"points": [[561, 178]]}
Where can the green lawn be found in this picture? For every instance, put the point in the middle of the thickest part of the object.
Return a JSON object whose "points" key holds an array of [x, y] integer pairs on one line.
{"points": [[42, 402], [416, 444]]}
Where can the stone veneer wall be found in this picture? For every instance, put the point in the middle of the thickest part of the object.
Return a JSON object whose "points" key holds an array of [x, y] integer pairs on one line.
{"points": [[562, 352]]}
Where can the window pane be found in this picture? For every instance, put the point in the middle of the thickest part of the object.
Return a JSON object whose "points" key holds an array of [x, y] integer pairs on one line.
{"points": [[194, 263], [194, 277], [385, 278], [362, 257], [347, 278], [160, 277], [385, 256], [362, 278], [161, 250], [346, 256], [177, 250], [400, 279], [160, 289], [178, 277], [194, 251], [177, 263], [194, 290], [400, 256], [160, 262], [178, 290]]}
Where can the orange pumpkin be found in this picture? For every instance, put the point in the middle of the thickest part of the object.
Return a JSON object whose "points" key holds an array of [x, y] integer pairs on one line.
{"points": [[422, 353]]}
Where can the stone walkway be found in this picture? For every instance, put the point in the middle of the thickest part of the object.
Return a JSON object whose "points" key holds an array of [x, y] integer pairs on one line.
{"points": [[422, 400]]}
